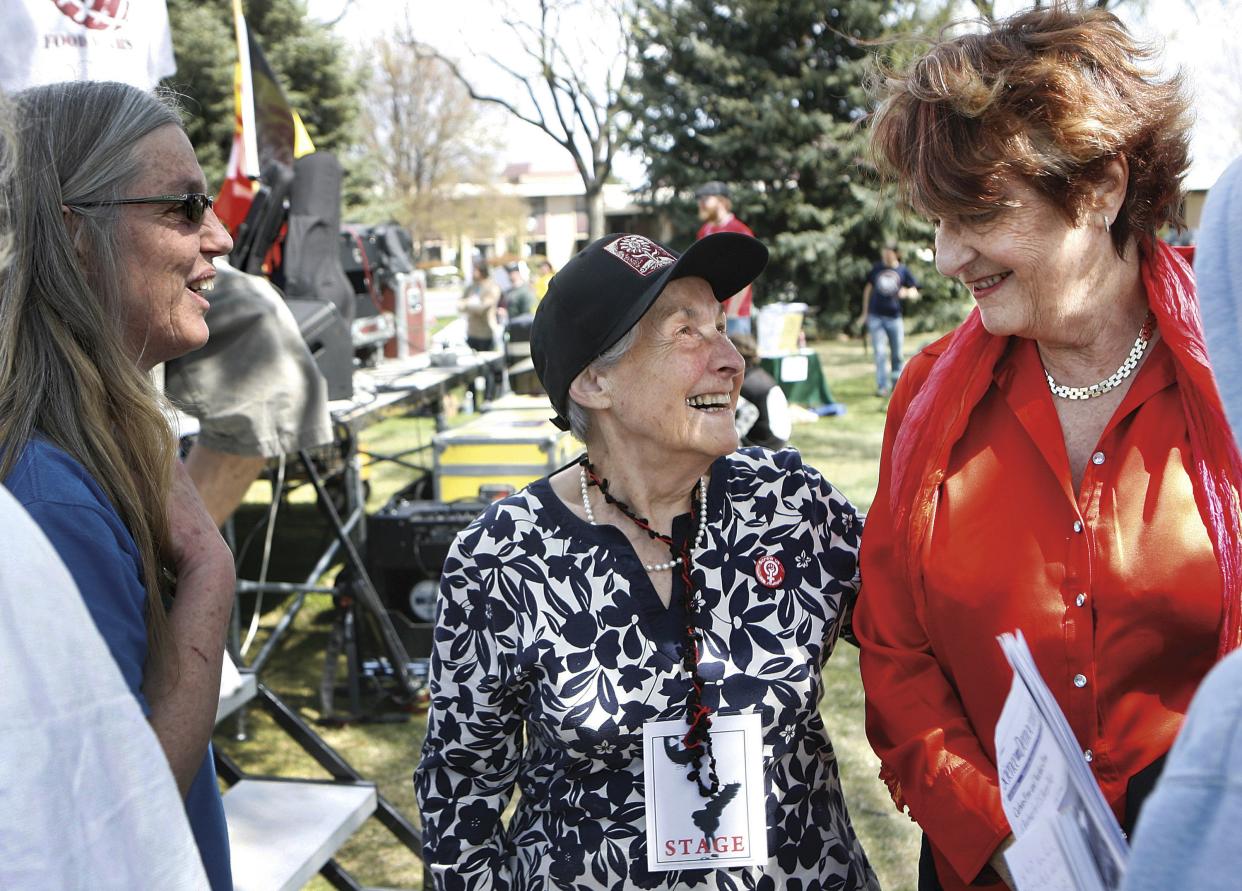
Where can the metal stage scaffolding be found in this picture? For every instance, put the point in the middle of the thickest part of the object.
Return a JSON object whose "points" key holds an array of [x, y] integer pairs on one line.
{"points": [[395, 387]]}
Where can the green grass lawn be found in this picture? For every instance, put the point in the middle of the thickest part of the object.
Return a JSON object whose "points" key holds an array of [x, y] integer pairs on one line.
{"points": [[846, 449]]}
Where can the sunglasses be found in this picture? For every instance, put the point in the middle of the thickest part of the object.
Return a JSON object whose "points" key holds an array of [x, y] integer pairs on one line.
{"points": [[194, 205]]}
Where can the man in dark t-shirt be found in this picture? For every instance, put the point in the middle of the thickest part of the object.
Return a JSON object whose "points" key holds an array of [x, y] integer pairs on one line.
{"points": [[888, 284]]}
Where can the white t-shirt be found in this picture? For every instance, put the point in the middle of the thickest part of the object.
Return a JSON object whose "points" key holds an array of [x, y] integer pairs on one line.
{"points": [[87, 799], [48, 41]]}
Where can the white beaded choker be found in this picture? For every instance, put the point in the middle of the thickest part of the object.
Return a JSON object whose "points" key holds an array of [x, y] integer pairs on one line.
{"points": [[654, 567], [1113, 380]]}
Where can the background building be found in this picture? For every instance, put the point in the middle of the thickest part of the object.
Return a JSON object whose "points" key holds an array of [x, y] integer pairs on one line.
{"points": [[541, 211]]}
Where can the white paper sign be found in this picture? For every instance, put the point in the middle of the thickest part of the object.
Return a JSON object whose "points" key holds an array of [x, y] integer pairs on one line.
{"points": [[1067, 835], [688, 831], [794, 369], [1035, 860], [1032, 772]]}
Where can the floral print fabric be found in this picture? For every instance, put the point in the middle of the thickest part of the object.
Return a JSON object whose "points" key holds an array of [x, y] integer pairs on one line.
{"points": [[552, 650]]}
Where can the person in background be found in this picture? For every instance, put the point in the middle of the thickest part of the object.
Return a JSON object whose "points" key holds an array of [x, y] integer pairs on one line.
{"points": [[1218, 266], [479, 304], [520, 305], [763, 417], [667, 576], [519, 299], [113, 238], [1187, 835], [888, 283], [1059, 464], [716, 215], [543, 276]]}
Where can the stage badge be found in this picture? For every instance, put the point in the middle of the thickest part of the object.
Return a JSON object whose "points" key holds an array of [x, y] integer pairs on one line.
{"points": [[686, 830]]}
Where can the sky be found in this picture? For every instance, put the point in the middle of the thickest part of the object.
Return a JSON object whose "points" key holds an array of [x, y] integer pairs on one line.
{"points": [[458, 29], [1200, 38], [1197, 35]]}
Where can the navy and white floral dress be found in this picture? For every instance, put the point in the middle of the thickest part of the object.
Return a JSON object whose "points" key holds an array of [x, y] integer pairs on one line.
{"points": [[552, 650]]}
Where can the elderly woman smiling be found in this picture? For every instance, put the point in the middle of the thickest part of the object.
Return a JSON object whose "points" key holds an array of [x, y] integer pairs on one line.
{"points": [[1060, 463], [636, 641], [113, 243]]}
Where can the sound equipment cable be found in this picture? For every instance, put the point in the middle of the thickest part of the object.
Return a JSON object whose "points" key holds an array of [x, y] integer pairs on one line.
{"points": [[278, 487]]}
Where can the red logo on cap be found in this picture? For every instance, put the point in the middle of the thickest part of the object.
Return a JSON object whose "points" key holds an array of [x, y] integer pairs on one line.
{"points": [[98, 15], [770, 571], [642, 255]]}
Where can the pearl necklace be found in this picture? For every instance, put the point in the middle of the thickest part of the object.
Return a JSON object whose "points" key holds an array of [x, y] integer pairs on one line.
{"points": [[1113, 380], [654, 567]]}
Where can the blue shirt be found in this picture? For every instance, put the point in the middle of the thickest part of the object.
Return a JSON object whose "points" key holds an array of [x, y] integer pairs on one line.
{"points": [[1218, 269], [886, 284], [90, 537], [1187, 833]]}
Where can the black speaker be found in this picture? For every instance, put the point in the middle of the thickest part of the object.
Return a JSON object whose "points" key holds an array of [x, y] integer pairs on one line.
{"points": [[327, 337], [407, 543], [312, 260], [417, 637]]}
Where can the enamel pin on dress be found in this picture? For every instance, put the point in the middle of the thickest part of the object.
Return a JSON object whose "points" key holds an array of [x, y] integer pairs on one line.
{"points": [[769, 571]]}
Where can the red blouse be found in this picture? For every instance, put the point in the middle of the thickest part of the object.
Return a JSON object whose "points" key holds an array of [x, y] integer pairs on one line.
{"points": [[1116, 589]]}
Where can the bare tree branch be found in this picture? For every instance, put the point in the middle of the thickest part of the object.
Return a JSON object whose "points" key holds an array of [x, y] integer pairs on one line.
{"points": [[560, 86], [423, 137], [332, 23]]}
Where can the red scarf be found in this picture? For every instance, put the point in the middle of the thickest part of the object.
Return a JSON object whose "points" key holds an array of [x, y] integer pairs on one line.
{"points": [[938, 415]]}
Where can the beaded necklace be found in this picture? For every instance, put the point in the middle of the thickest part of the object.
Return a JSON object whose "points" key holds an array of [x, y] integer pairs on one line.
{"points": [[588, 472], [698, 716]]}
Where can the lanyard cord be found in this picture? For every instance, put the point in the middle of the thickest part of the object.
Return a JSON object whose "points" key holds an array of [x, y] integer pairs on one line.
{"points": [[697, 739]]}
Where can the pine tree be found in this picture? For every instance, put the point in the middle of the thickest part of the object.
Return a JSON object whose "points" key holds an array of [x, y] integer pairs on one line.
{"points": [[310, 61], [768, 95]]}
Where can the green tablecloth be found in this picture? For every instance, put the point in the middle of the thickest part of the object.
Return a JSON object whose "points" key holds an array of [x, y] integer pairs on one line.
{"points": [[801, 376]]}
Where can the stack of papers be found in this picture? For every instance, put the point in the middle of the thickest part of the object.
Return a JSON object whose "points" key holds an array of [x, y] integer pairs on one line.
{"points": [[1066, 836]]}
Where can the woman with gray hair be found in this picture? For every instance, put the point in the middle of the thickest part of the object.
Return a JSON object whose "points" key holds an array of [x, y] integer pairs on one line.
{"points": [[635, 642], [113, 238]]}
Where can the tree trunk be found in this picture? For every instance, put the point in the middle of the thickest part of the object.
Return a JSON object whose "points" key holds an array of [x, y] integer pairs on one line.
{"points": [[595, 213]]}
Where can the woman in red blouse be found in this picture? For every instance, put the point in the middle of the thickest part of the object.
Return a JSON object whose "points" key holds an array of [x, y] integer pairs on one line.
{"points": [[1059, 464]]}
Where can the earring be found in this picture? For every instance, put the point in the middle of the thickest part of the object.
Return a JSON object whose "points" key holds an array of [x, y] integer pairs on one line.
{"points": [[1108, 224]]}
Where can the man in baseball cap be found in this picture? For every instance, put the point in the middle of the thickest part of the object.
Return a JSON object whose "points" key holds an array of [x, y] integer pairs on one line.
{"points": [[713, 188], [716, 215], [606, 289]]}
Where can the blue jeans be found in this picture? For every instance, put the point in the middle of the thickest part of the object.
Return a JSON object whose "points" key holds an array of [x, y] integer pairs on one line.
{"points": [[886, 336]]}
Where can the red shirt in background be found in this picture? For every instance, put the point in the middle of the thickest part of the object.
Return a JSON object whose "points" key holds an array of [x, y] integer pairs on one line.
{"points": [[739, 305], [1115, 587]]}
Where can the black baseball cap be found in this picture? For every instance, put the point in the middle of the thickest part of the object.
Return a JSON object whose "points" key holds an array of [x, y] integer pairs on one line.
{"points": [[604, 290], [715, 187]]}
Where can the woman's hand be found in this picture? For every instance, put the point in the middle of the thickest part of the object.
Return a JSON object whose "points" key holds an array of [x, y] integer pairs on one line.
{"points": [[195, 543], [182, 681]]}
